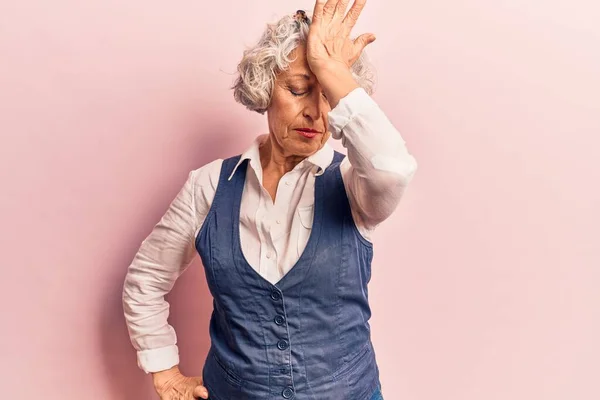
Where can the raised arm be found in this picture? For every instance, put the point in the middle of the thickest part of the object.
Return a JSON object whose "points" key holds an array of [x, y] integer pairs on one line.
{"points": [[378, 167]]}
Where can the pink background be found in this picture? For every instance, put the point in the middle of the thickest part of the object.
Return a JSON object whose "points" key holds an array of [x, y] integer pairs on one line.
{"points": [[486, 280]]}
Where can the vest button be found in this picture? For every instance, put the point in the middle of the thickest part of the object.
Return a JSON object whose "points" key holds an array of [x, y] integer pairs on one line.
{"points": [[279, 319], [288, 393], [275, 295], [282, 344]]}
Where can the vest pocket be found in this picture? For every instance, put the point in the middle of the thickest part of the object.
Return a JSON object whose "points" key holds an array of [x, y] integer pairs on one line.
{"points": [[359, 376], [218, 369], [356, 362]]}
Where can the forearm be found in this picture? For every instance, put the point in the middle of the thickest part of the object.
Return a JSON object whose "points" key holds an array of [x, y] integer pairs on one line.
{"points": [[162, 257], [146, 312], [378, 167]]}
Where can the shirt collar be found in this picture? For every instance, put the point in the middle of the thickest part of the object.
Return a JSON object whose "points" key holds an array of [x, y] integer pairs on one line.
{"points": [[321, 159]]}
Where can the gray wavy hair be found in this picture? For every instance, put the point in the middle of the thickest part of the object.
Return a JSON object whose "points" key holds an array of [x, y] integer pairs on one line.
{"points": [[261, 63]]}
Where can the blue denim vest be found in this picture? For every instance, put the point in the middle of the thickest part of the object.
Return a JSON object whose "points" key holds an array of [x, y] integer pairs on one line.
{"points": [[306, 337]]}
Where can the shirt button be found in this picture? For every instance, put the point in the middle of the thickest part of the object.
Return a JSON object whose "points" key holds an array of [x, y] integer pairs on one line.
{"points": [[288, 183], [275, 295], [278, 222], [287, 393], [269, 255], [282, 344], [279, 319]]}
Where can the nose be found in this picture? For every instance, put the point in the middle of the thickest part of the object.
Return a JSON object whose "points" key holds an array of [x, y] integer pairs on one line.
{"points": [[314, 105]]}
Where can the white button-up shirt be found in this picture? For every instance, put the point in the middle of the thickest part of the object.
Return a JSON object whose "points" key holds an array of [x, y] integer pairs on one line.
{"points": [[273, 234]]}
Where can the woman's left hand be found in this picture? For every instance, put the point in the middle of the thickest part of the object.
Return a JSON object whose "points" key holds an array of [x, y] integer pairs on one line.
{"points": [[329, 45]]}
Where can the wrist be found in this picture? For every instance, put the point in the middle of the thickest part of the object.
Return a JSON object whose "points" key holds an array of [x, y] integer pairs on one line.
{"points": [[337, 82], [165, 374]]}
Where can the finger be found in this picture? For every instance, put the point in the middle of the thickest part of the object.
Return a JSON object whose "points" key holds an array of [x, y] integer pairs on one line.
{"points": [[201, 392], [317, 15], [340, 9], [328, 11], [352, 16], [362, 41]]}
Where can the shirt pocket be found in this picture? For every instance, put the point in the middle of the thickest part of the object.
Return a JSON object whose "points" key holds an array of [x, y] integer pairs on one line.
{"points": [[304, 226]]}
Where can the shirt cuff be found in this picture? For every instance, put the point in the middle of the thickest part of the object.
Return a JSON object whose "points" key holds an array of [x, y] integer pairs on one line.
{"points": [[155, 360], [346, 109]]}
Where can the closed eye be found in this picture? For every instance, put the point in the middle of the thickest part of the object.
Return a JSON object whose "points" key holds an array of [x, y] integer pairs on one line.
{"points": [[301, 94]]}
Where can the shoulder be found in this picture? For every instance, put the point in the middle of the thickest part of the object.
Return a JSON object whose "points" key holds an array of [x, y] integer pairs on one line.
{"points": [[204, 181], [207, 174]]}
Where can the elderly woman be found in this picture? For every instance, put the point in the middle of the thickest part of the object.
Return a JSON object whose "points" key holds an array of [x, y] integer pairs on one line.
{"points": [[283, 230]]}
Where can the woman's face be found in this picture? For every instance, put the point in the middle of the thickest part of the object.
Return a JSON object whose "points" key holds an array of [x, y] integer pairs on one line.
{"points": [[298, 102]]}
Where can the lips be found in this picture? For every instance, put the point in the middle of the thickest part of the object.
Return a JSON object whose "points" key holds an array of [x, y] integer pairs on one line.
{"points": [[308, 133], [307, 130]]}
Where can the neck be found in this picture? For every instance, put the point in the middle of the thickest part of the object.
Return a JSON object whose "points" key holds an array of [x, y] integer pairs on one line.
{"points": [[274, 160]]}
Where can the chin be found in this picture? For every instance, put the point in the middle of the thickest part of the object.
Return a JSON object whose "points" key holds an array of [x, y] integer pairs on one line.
{"points": [[301, 149], [310, 149]]}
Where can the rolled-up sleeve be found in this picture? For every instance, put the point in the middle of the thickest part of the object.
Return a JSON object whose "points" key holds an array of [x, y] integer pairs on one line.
{"points": [[378, 167], [162, 257]]}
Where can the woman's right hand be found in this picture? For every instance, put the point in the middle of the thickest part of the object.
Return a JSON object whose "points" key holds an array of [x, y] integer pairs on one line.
{"points": [[171, 384]]}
